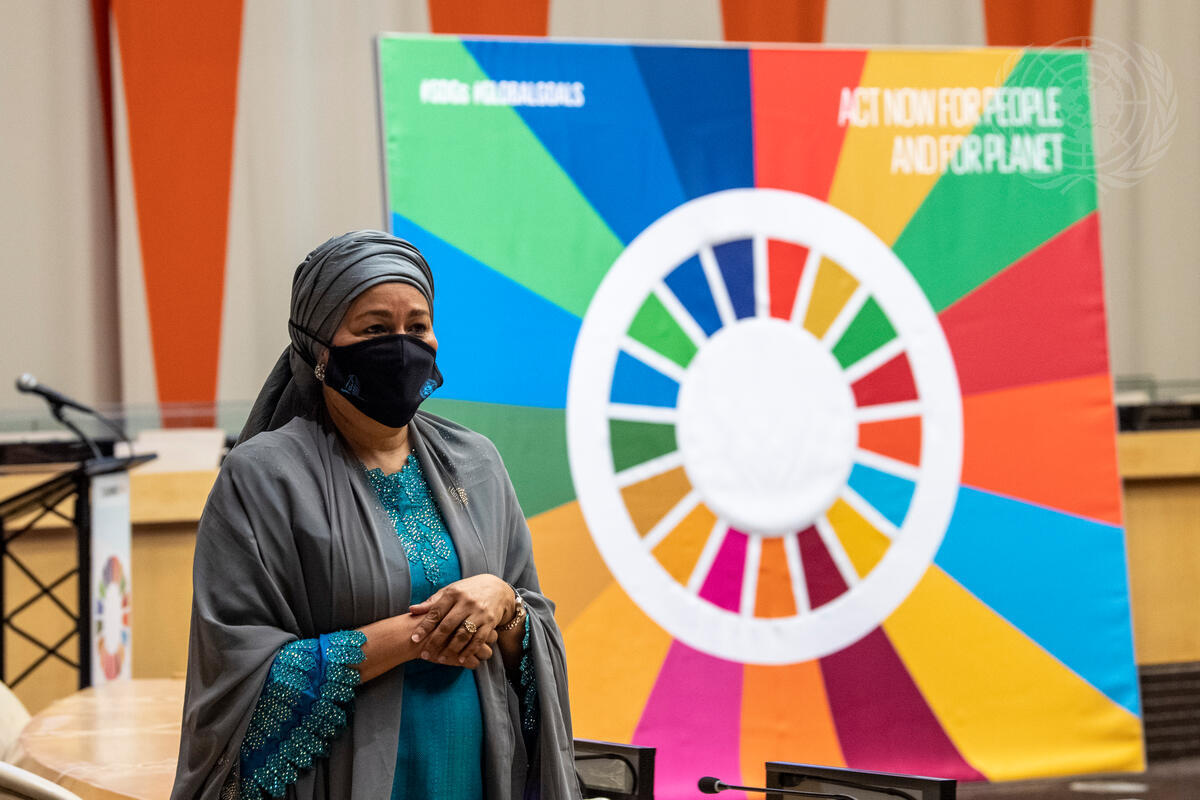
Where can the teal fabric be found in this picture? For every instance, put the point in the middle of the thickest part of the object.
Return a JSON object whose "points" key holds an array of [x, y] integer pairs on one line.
{"points": [[440, 751], [303, 707]]}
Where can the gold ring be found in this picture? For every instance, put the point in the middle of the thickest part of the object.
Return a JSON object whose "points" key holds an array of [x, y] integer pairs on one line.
{"points": [[469, 626]]}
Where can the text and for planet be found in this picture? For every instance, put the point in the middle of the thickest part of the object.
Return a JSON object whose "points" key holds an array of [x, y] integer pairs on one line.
{"points": [[1025, 125]]}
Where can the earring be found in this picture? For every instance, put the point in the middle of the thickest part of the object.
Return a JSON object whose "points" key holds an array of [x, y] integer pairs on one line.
{"points": [[319, 372]]}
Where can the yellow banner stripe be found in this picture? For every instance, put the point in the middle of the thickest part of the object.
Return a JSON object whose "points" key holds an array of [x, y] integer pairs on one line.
{"points": [[863, 543], [679, 552], [830, 292], [614, 654], [570, 568], [863, 184], [1012, 709]]}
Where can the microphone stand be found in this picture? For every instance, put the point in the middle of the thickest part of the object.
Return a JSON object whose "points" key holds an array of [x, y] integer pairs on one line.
{"points": [[57, 410]]}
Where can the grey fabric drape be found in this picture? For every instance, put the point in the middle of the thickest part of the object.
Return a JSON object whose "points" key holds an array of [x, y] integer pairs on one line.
{"points": [[292, 544]]}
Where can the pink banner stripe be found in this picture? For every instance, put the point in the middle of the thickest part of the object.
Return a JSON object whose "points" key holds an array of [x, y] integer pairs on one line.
{"points": [[900, 735], [723, 586], [693, 717]]}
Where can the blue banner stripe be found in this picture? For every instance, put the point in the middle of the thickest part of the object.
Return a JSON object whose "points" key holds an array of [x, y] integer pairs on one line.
{"points": [[702, 99], [736, 260], [889, 494], [689, 285], [1059, 578], [608, 144], [498, 342], [637, 384]]}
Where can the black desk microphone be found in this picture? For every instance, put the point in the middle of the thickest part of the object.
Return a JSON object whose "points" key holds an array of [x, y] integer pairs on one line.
{"points": [[712, 786]]}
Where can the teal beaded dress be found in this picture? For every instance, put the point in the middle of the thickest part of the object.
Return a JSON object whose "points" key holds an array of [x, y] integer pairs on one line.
{"points": [[311, 684], [440, 753]]}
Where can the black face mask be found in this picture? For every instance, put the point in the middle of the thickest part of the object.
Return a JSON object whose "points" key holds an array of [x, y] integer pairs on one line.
{"points": [[385, 377]]}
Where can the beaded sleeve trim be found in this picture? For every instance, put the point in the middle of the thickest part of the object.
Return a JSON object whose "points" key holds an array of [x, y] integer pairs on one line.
{"points": [[529, 706], [304, 706]]}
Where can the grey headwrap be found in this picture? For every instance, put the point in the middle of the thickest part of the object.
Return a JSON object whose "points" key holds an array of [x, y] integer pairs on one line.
{"points": [[324, 286]]}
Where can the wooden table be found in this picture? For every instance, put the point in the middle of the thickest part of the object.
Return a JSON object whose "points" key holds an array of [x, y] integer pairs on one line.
{"points": [[114, 742]]}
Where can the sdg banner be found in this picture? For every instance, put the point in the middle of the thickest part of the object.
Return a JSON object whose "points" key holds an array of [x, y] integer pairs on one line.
{"points": [[797, 359], [112, 585]]}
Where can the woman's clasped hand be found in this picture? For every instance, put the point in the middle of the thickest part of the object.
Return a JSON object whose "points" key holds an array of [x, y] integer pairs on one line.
{"points": [[442, 631]]}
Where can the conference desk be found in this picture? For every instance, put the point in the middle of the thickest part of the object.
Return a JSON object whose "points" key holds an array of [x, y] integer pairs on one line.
{"points": [[114, 742]]}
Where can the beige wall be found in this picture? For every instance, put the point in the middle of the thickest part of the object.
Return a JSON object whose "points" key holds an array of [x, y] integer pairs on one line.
{"points": [[1149, 230], [57, 296]]}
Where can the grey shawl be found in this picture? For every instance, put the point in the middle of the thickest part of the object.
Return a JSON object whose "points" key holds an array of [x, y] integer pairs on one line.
{"points": [[292, 544]]}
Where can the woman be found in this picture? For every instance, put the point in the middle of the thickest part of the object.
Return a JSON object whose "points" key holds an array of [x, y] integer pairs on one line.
{"points": [[366, 619]]}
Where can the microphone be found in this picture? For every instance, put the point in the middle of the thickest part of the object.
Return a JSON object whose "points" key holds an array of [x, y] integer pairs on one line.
{"points": [[713, 785], [29, 385], [58, 401]]}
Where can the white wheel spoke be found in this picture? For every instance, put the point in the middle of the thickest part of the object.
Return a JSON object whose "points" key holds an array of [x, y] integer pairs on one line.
{"points": [[634, 413], [649, 469], [844, 317], [791, 550], [892, 466], [874, 360], [750, 574], [808, 278], [680, 314], [652, 358], [672, 518], [838, 553], [868, 512], [707, 556], [716, 285], [884, 411], [762, 283]]}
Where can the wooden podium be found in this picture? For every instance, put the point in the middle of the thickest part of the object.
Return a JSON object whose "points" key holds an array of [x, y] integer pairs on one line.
{"points": [[19, 517]]}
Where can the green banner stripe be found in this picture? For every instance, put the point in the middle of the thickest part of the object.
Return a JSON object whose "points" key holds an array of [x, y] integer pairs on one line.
{"points": [[870, 329], [532, 442], [476, 176], [972, 226], [635, 443], [657, 329]]}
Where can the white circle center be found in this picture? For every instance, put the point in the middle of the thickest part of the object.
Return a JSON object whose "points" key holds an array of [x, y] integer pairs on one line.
{"points": [[766, 426], [113, 615]]}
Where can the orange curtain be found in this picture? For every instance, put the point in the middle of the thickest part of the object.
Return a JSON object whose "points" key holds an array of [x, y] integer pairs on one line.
{"points": [[179, 67], [1037, 23], [773, 20], [490, 17]]}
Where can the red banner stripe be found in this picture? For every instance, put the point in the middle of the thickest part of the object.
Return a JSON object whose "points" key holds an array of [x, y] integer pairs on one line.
{"points": [[797, 140], [1040, 319]]}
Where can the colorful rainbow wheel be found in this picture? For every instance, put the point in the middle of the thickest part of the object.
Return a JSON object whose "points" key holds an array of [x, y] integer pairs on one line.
{"points": [[754, 423], [112, 618]]}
